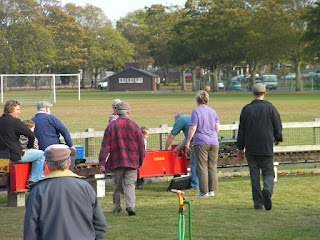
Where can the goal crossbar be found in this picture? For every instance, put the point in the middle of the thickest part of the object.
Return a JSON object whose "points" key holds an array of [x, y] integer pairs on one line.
{"points": [[53, 76]]}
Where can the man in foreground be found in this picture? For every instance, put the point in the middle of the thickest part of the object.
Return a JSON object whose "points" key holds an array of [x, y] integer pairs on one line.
{"points": [[260, 126], [182, 123], [62, 205], [48, 129], [124, 141]]}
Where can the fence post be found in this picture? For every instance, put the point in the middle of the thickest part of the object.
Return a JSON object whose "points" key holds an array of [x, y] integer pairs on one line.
{"points": [[87, 142], [315, 132], [234, 131], [161, 134]]}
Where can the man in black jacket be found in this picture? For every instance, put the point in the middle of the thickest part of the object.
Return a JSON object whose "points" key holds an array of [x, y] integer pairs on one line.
{"points": [[260, 126]]}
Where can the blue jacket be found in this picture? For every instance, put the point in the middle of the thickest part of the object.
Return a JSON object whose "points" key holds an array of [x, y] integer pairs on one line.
{"points": [[63, 206], [48, 129]]}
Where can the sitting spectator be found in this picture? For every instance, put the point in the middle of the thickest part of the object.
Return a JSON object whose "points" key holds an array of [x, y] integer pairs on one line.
{"points": [[63, 205], [114, 115], [145, 132], [24, 140], [48, 129], [10, 130]]}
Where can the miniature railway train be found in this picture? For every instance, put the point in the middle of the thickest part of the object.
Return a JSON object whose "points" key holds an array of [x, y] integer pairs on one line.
{"points": [[175, 163]]}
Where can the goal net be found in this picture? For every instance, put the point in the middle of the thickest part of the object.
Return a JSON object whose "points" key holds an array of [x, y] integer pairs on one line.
{"points": [[39, 87]]}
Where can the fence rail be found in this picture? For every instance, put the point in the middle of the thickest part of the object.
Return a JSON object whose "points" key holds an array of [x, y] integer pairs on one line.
{"points": [[298, 136]]}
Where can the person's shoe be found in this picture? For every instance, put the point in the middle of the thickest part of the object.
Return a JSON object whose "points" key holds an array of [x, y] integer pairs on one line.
{"points": [[258, 207], [116, 211], [200, 194], [130, 211], [211, 194], [266, 199]]}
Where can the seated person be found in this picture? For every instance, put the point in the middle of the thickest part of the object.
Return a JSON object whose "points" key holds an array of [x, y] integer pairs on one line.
{"points": [[10, 130]]}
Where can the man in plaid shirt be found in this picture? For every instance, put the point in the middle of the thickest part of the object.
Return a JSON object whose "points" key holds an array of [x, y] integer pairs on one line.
{"points": [[124, 143]]}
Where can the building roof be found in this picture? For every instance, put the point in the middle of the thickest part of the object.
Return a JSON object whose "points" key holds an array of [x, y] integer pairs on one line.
{"points": [[138, 70]]}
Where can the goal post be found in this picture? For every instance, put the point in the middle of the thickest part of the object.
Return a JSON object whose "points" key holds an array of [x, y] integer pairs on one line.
{"points": [[52, 86]]}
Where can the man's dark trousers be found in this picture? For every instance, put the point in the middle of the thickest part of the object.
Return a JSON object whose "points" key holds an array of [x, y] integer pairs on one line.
{"points": [[265, 163]]}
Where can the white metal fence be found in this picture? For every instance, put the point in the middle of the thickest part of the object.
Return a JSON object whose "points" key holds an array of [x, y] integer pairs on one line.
{"points": [[298, 136]]}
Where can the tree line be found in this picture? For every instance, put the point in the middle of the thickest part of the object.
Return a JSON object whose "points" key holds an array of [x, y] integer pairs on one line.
{"points": [[41, 36]]}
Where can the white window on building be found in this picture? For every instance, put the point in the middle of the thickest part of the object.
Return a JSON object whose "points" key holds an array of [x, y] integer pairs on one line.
{"points": [[138, 80], [122, 80], [130, 80], [158, 80]]}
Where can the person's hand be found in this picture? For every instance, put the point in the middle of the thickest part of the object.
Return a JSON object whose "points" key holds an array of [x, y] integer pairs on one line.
{"points": [[73, 147], [276, 142], [102, 169], [188, 145], [240, 154]]}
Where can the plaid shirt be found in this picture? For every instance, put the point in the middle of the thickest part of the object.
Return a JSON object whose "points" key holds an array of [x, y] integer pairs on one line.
{"points": [[124, 141]]}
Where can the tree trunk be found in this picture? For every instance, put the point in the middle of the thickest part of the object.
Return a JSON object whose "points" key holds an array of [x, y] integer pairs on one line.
{"points": [[214, 79], [194, 79], [183, 80], [165, 75], [5, 85], [180, 76], [298, 80], [84, 70]]}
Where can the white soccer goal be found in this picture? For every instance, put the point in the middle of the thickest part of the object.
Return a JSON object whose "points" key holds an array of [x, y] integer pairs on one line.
{"points": [[44, 85]]}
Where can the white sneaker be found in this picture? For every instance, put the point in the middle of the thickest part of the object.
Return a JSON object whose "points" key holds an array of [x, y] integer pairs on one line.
{"points": [[200, 194], [211, 194]]}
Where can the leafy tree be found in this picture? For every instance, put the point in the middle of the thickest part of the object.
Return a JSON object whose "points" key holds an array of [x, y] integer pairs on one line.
{"points": [[133, 27], [294, 10], [312, 34], [107, 48], [160, 21], [26, 43], [68, 37]]}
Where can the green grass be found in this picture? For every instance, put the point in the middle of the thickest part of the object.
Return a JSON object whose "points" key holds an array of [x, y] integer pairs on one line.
{"points": [[152, 109], [228, 215]]}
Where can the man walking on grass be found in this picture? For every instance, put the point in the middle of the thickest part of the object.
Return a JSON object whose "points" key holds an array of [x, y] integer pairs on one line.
{"points": [[124, 141], [260, 126]]}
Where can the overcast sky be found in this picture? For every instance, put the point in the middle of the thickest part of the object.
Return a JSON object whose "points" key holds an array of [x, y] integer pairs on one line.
{"points": [[114, 9]]}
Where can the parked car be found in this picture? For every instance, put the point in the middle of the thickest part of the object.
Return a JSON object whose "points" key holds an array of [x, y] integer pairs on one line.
{"points": [[220, 85], [188, 76], [235, 85], [271, 81], [303, 76], [311, 75], [103, 84], [290, 76], [257, 81]]}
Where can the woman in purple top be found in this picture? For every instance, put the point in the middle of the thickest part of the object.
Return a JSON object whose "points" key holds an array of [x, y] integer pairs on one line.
{"points": [[204, 128], [114, 115]]}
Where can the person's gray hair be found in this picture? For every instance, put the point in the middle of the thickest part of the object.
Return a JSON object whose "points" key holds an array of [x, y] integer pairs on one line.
{"points": [[58, 165], [122, 112], [178, 115], [115, 102]]}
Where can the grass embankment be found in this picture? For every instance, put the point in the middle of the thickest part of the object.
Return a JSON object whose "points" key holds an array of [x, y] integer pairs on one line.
{"points": [[228, 215]]}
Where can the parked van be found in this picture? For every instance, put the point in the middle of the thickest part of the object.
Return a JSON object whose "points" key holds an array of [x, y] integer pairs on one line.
{"points": [[103, 84], [271, 81]]}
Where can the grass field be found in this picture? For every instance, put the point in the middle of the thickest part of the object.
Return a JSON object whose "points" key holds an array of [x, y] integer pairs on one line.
{"points": [[228, 215], [155, 108]]}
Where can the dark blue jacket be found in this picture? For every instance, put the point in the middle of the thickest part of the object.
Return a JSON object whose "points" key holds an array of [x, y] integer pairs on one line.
{"points": [[48, 129], [260, 125]]}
